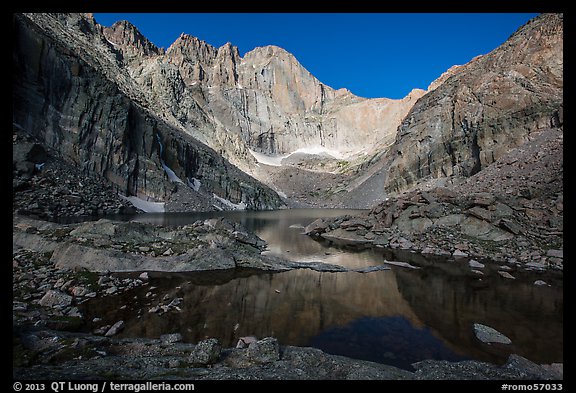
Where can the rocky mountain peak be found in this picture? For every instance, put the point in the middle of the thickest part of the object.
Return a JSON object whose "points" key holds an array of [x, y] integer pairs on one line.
{"points": [[125, 36], [228, 52], [191, 49], [263, 56], [549, 24]]}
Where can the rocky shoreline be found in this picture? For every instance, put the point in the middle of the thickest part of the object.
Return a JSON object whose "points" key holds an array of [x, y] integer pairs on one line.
{"points": [[59, 267], [56, 268], [57, 355], [478, 226]]}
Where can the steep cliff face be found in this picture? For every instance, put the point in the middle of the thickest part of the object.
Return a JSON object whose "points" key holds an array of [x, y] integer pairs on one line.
{"points": [[265, 101], [477, 112], [108, 98], [77, 100]]}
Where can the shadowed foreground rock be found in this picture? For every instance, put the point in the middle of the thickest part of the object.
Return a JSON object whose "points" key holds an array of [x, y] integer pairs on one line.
{"points": [[54, 355]]}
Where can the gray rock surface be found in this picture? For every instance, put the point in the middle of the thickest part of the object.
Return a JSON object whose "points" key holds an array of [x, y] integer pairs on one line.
{"points": [[488, 335], [265, 350], [115, 329], [475, 264], [171, 338], [506, 275], [54, 298], [206, 352], [150, 359]]}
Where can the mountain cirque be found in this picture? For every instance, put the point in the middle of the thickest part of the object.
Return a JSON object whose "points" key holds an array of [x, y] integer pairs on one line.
{"points": [[471, 168], [125, 100]]}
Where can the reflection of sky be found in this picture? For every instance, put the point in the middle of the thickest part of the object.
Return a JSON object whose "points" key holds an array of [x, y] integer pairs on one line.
{"points": [[389, 340]]}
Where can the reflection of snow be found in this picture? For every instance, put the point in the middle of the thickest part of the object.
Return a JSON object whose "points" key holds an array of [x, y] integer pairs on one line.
{"points": [[171, 175], [234, 206], [147, 206]]}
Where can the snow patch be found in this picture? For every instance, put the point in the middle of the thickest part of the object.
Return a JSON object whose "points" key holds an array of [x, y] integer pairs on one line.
{"points": [[276, 160], [282, 194], [238, 85], [234, 206], [147, 206], [194, 184], [171, 175], [268, 160]]}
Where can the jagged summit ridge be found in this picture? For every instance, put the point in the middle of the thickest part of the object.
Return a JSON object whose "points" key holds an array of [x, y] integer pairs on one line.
{"points": [[125, 35], [266, 101]]}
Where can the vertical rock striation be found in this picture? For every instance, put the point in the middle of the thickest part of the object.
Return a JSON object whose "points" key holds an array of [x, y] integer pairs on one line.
{"points": [[84, 107]]}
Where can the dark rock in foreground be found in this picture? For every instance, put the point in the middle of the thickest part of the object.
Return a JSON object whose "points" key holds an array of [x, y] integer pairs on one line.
{"points": [[56, 358]]}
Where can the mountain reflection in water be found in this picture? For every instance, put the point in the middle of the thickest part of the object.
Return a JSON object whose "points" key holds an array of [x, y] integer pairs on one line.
{"points": [[398, 316]]}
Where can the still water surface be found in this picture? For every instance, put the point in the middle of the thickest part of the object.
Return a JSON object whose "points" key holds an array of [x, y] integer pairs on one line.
{"points": [[397, 316]]}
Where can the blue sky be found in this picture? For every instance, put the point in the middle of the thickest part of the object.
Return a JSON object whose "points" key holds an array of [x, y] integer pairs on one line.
{"points": [[373, 55]]}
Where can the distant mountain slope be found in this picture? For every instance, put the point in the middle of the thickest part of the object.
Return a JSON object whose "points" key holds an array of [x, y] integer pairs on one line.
{"points": [[265, 101]]}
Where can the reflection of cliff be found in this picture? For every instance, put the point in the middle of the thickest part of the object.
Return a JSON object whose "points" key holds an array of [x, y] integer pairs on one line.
{"points": [[308, 302], [529, 315]]}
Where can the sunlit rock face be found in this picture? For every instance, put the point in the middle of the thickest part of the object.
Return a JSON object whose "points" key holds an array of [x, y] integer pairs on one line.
{"points": [[265, 101], [103, 95]]}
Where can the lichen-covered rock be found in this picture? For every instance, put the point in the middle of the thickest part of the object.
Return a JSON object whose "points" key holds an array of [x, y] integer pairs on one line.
{"points": [[206, 352], [264, 351]]}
